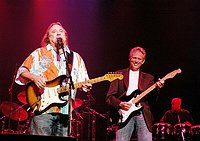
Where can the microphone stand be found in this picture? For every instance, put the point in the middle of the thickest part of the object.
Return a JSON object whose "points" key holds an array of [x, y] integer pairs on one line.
{"points": [[71, 86]]}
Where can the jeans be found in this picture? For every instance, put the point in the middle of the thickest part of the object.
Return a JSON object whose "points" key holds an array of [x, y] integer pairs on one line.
{"points": [[138, 122], [50, 124]]}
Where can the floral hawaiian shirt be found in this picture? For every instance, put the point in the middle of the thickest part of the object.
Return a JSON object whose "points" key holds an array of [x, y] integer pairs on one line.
{"points": [[47, 63]]}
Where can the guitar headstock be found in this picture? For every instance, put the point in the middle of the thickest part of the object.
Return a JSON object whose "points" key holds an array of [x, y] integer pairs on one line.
{"points": [[172, 74], [113, 76]]}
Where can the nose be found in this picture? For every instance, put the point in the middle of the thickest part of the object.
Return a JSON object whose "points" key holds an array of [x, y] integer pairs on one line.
{"points": [[58, 36]]}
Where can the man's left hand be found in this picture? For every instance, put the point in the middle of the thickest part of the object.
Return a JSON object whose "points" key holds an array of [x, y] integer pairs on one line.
{"points": [[160, 83], [86, 87]]}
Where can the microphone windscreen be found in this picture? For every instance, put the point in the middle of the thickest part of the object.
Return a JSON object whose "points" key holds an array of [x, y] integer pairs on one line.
{"points": [[59, 41]]}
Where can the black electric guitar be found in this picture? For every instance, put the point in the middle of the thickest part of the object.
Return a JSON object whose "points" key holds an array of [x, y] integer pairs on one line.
{"points": [[41, 100], [122, 117]]}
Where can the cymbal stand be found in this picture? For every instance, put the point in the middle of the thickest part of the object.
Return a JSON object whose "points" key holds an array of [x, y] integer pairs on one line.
{"points": [[3, 123], [182, 135], [91, 98], [93, 113], [11, 93], [18, 120], [76, 122]]}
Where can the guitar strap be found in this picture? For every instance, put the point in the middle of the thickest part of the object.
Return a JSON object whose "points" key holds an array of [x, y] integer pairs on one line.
{"points": [[69, 63], [70, 59]]}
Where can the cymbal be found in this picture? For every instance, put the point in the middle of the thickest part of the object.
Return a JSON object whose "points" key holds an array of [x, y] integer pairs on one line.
{"points": [[77, 103], [22, 97], [14, 111]]}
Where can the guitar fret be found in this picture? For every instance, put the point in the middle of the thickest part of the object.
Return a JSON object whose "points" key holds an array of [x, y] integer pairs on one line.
{"points": [[109, 77]]}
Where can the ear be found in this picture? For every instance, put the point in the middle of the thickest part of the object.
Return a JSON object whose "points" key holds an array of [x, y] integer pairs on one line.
{"points": [[143, 62]]}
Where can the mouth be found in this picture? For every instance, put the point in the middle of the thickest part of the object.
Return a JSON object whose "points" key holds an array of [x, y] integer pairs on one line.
{"points": [[136, 63]]}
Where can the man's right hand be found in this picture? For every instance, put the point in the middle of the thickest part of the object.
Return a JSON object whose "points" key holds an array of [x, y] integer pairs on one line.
{"points": [[39, 81], [125, 105]]}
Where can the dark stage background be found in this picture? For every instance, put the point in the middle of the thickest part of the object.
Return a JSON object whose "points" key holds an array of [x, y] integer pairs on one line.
{"points": [[103, 32]]}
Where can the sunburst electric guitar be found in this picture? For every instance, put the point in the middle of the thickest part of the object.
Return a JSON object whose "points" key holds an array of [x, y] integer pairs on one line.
{"points": [[41, 100], [134, 99]]}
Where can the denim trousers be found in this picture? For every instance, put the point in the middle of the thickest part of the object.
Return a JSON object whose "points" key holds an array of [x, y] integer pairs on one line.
{"points": [[54, 124], [137, 123]]}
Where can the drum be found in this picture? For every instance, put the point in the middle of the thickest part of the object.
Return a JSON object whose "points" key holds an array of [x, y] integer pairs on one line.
{"points": [[195, 132], [162, 131], [8, 131], [76, 129], [182, 131], [22, 129]]}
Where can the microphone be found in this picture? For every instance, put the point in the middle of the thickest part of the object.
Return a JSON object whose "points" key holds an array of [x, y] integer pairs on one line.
{"points": [[60, 42]]}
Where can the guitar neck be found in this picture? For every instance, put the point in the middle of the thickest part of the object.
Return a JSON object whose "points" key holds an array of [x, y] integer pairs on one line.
{"points": [[90, 81], [79, 84], [139, 97]]}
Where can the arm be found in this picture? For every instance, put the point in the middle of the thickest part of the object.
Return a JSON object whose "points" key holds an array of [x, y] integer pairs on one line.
{"points": [[82, 74], [38, 80], [116, 90], [188, 118]]}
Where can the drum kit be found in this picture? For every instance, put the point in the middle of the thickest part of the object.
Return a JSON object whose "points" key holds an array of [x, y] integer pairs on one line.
{"points": [[178, 132], [17, 113], [84, 119], [80, 117]]}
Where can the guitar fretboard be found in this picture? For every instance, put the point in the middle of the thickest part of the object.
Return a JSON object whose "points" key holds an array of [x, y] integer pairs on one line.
{"points": [[79, 84]]}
